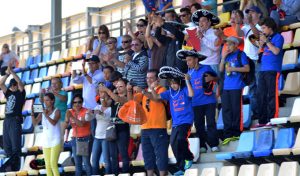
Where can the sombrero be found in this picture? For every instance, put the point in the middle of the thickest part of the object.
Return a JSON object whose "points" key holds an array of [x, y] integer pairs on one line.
{"points": [[205, 13], [167, 72], [182, 54]]}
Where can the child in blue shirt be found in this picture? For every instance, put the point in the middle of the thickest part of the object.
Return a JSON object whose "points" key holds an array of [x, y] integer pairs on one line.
{"points": [[180, 99], [233, 89]]}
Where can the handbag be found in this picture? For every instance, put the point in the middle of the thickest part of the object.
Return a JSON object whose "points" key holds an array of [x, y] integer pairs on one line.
{"points": [[111, 131], [133, 113], [82, 147]]}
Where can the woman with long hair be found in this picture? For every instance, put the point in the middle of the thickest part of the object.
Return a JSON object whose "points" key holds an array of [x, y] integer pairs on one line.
{"points": [[7, 58]]}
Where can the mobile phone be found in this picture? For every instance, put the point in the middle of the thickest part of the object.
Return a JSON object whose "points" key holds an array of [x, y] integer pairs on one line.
{"points": [[38, 108]]}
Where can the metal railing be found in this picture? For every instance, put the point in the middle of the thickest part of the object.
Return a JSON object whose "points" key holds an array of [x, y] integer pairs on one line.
{"points": [[90, 30]]}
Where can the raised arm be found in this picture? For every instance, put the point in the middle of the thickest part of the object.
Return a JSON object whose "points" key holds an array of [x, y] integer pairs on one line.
{"points": [[2, 83], [189, 86], [16, 77]]}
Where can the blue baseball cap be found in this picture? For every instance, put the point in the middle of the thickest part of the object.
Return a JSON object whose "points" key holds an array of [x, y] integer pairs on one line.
{"points": [[254, 9]]}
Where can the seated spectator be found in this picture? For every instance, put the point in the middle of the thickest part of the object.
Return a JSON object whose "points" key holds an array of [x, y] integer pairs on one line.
{"points": [[81, 132], [247, 4], [195, 7], [99, 46], [285, 12], [126, 46], [51, 133], [179, 96], [7, 57], [141, 30], [112, 53], [155, 43], [136, 67], [210, 5], [233, 63]]}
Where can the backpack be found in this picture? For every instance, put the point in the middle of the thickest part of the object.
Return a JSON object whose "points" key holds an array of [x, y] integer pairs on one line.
{"points": [[248, 77]]}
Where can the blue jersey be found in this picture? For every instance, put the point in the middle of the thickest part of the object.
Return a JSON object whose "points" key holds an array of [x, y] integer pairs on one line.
{"points": [[180, 106], [270, 61], [234, 80], [197, 83]]}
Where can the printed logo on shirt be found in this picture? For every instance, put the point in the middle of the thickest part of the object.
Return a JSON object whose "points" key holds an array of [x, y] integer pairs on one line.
{"points": [[197, 83], [11, 102], [178, 104]]}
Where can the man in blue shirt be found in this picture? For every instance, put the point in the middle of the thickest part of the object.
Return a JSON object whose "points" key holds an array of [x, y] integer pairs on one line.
{"points": [[204, 100], [271, 42], [233, 63]]}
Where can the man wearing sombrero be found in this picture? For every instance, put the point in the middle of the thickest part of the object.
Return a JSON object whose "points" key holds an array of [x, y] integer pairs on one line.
{"points": [[204, 100], [209, 41]]}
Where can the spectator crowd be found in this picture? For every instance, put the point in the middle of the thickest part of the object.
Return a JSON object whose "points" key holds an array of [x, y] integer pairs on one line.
{"points": [[173, 64]]}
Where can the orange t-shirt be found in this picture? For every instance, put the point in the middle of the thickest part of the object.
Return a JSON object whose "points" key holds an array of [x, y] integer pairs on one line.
{"points": [[230, 31], [80, 131], [156, 117]]}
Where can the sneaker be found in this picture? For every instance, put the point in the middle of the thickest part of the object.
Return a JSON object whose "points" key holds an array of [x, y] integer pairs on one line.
{"points": [[215, 149], [203, 150], [188, 164], [179, 173], [226, 141]]}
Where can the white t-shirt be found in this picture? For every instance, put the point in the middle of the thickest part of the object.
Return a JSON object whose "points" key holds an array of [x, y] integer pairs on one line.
{"points": [[250, 50], [51, 134], [7, 58]]}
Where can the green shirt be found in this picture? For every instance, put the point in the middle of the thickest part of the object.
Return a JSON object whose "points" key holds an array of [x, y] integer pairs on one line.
{"points": [[61, 105]]}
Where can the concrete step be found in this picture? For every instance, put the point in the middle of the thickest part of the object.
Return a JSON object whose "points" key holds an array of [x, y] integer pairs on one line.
{"points": [[290, 101]]}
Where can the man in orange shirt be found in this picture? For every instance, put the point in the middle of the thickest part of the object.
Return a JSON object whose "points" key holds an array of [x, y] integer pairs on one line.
{"points": [[154, 135]]}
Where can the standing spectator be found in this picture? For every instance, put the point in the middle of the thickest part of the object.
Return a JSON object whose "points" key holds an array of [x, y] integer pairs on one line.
{"points": [[180, 98], [60, 103], [136, 67], [246, 4], [126, 46], [12, 129], [233, 63], [150, 5], [271, 42], [7, 57], [170, 15], [186, 3], [115, 77], [204, 101], [141, 30], [231, 6], [252, 28], [120, 145], [210, 5], [155, 43], [99, 46], [185, 17], [154, 135], [112, 53], [81, 132], [102, 113], [90, 81], [51, 133], [165, 4], [195, 7], [209, 41], [285, 12], [107, 71], [89, 46]]}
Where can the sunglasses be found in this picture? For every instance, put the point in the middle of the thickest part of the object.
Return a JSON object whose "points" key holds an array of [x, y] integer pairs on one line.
{"points": [[147, 104], [101, 32], [77, 102], [140, 25], [135, 44], [183, 15], [127, 41], [109, 43]]}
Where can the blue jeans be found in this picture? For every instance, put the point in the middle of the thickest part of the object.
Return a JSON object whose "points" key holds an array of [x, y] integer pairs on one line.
{"points": [[99, 147], [116, 147], [78, 160], [289, 19]]}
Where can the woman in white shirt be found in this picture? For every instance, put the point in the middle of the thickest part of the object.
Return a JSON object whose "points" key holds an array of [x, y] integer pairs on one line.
{"points": [[51, 134], [102, 113], [7, 58]]}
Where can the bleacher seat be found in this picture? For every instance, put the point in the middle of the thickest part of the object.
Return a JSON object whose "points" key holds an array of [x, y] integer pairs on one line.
{"points": [[25, 76], [71, 54], [264, 144], [37, 60], [38, 143], [51, 72], [228, 171], [270, 169], [248, 170], [29, 61], [2, 97], [12, 173], [1, 127], [27, 125], [43, 72], [65, 81], [2, 111], [45, 84], [246, 118], [290, 59], [46, 58], [295, 115], [62, 157], [224, 20], [33, 74], [139, 174], [296, 147], [69, 102], [246, 145], [288, 38], [28, 142], [294, 25], [296, 42], [191, 172], [55, 56], [209, 172], [289, 169], [27, 107], [284, 142], [60, 70], [63, 55], [292, 84], [280, 82]]}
